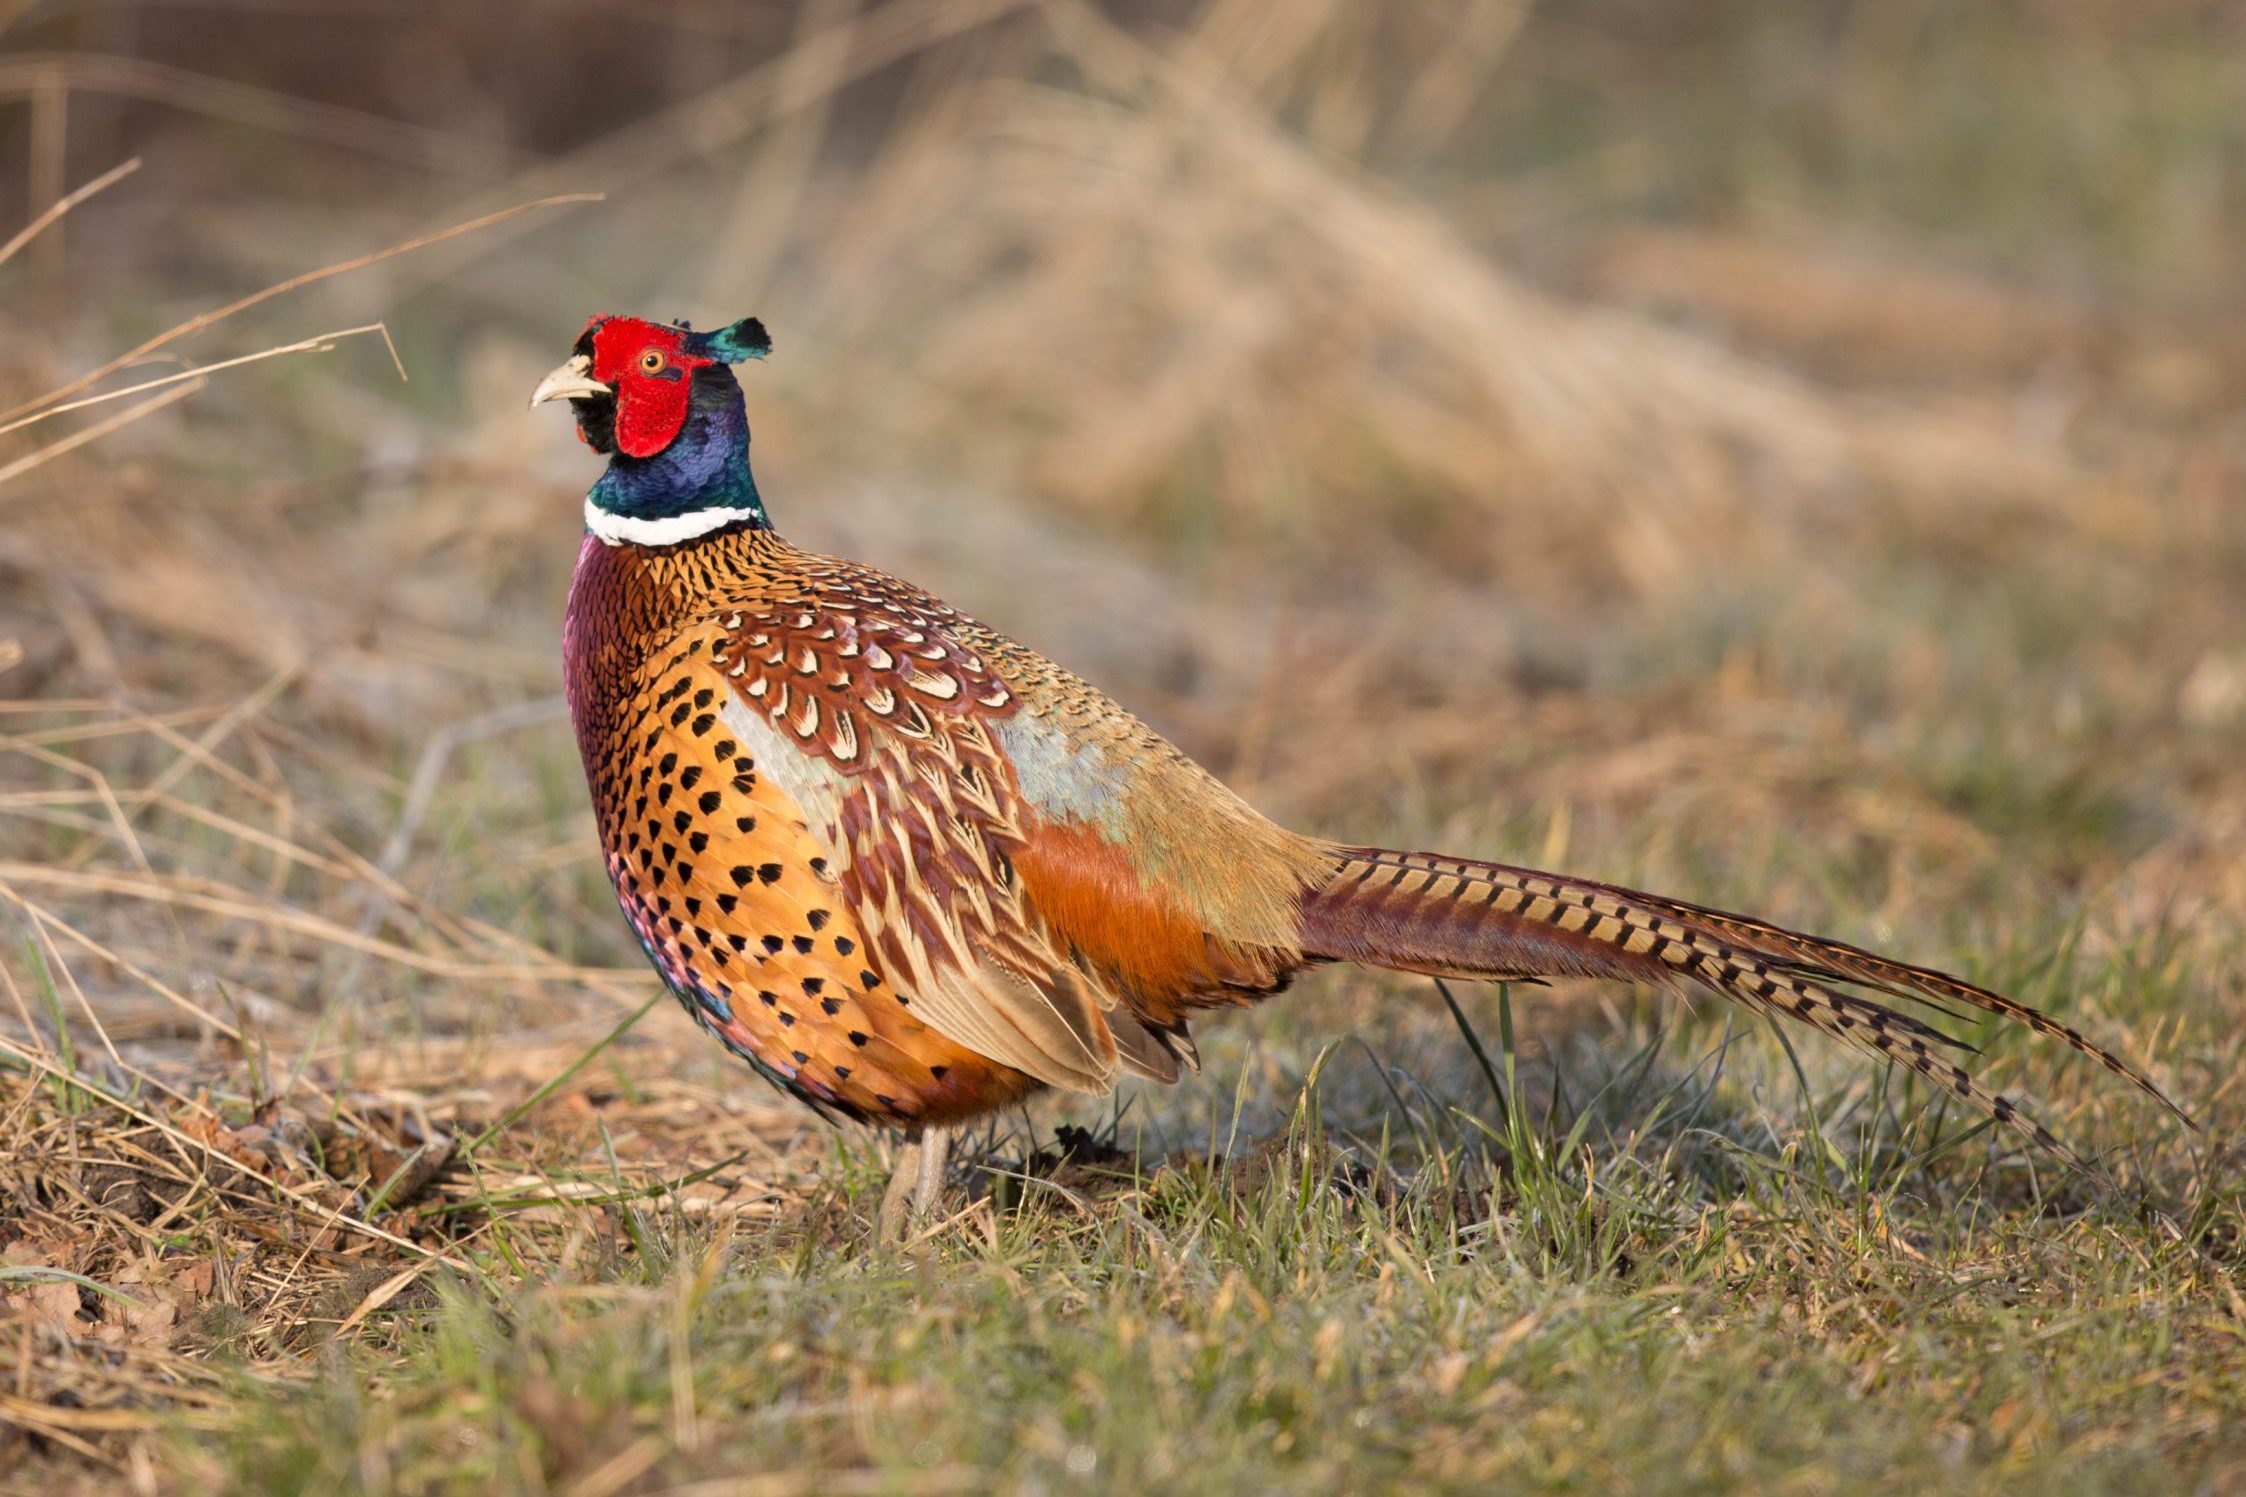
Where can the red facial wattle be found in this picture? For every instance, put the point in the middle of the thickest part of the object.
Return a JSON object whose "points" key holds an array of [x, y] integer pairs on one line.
{"points": [[651, 371]]}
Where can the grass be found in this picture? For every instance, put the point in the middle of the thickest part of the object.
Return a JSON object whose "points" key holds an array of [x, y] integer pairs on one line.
{"points": [[1389, 1286], [1654, 1264], [1647, 1294], [1646, 448], [1205, 1333]]}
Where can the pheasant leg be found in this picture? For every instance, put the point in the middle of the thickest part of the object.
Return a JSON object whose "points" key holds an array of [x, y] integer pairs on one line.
{"points": [[928, 1190], [896, 1201], [915, 1185]]}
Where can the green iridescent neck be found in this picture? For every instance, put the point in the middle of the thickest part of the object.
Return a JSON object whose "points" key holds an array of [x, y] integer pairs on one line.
{"points": [[705, 469]]}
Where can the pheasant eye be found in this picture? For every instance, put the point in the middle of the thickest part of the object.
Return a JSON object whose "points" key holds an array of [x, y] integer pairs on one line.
{"points": [[652, 361]]}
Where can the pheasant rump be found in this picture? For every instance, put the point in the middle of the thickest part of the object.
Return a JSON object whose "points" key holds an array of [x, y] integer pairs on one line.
{"points": [[911, 870]]}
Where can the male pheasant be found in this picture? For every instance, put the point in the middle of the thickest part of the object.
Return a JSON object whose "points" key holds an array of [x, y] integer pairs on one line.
{"points": [[911, 870]]}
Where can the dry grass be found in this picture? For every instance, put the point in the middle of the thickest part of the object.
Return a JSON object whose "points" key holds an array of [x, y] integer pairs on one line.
{"points": [[1493, 434]]}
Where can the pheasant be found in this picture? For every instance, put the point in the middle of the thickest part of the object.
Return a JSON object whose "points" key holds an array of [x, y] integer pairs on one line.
{"points": [[912, 871]]}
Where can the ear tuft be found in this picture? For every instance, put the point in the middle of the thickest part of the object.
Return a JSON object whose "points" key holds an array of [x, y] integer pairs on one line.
{"points": [[745, 339]]}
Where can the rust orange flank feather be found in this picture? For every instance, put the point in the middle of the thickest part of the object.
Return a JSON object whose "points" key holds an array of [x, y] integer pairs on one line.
{"points": [[912, 871]]}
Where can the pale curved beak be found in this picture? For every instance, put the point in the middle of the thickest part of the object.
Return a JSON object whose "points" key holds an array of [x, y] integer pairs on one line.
{"points": [[570, 382]]}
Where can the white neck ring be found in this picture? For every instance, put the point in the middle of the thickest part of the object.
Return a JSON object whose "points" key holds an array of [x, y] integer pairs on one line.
{"points": [[618, 530]]}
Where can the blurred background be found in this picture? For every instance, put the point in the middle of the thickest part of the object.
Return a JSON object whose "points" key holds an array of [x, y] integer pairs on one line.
{"points": [[1787, 453]]}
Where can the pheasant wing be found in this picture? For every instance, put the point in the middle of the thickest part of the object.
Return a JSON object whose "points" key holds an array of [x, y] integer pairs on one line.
{"points": [[881, 723]]}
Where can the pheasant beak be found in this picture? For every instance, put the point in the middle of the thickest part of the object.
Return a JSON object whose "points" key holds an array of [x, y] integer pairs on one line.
{"points": [[570, 382]]}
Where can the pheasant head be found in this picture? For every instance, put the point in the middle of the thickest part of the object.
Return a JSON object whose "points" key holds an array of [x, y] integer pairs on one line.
{"points": [[659, 400]]}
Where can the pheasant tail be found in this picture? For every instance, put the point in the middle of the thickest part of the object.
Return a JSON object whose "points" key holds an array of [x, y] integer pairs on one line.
{"points": [[1456, 917]]}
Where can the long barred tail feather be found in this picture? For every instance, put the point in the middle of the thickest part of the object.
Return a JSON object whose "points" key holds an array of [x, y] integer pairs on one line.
{"points": [[1455, 917], [1837, 961]]}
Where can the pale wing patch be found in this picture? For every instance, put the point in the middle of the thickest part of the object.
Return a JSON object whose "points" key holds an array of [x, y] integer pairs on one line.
{"points": [[1064, 780]]}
